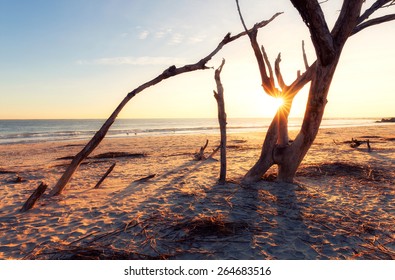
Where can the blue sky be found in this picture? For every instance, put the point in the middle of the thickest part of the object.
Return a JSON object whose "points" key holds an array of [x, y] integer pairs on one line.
{"points": [[78, 59]]}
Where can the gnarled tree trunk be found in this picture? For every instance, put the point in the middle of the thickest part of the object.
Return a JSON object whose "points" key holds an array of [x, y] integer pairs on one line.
{"points": [[328, 47]]}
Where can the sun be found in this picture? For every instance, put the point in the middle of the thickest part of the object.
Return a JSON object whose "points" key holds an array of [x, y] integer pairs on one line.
{"points": [[278, 102]]}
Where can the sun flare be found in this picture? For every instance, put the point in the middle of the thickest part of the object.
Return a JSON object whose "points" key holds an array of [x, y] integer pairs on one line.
{"points": [[278, 102]]}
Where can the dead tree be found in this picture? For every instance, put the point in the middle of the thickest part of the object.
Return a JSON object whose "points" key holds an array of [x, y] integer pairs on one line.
{"points": [[328, 45], [170, 72], [219, 96]]}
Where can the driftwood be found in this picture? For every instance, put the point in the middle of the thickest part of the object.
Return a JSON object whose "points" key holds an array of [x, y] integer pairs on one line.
{"points": [[105, 175], [2, 171], [19, 179], [119, 155], [34, 197], [109, 155], [214, 152], [146, 178], [219, 96], [170, 72], [200, 155], [356, 143]]}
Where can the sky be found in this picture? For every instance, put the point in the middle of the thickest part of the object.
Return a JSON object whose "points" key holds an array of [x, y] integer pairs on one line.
{"points": [[78, 59]]}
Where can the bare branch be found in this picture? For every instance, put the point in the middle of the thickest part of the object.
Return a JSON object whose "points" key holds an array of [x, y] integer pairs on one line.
{"points": [[375, 6], [303, 79], [306, 63], [313, 16], [279, 76], [346, 21], [241, 16], [269, 66], [372, 22], [390, 4], [261, 57]]}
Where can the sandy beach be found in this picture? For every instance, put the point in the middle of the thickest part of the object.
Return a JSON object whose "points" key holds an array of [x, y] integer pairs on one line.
{"points": [[342, 205]]}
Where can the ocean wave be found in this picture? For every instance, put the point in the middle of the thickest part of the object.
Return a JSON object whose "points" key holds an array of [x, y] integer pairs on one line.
{"points": [[55, 130]]}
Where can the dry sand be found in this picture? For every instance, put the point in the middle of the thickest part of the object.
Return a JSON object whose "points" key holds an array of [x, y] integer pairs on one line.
{"points": [[341, 207]]}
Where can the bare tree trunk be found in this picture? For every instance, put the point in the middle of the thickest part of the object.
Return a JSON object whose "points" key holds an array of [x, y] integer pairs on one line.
{"points": [[265, 160], [328, 46], [219, 96]]}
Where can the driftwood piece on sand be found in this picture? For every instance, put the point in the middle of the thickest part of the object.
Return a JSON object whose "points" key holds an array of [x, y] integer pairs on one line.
{"points": [[356, 143], [105, 175], [219, 96], [34, 197], [214, 152], [146, 178], [200, 155]]}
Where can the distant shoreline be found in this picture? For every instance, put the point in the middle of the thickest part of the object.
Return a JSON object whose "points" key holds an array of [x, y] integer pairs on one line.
{"points": [[389, 120], [37, 131]]}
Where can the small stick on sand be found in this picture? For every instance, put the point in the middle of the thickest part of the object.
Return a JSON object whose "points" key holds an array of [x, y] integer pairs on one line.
{"points": [[34, 197], [105, 175], [145, 178]]}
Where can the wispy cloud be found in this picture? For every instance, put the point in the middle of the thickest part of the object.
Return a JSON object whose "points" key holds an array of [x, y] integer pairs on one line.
{"points": [[196, 39], [128, 60], [176, 39], [143, 34], [162, 33]]}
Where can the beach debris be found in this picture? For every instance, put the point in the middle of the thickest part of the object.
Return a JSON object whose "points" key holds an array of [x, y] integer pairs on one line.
{"points": [[146, 178], [34, 197], [109, 155], [105, 175], [2, 171], [200, 154], [356, 143], [119, 155], [19, 179]]}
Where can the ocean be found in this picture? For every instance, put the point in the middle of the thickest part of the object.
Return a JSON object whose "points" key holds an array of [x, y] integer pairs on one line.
{"points": [[25, 131]]}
